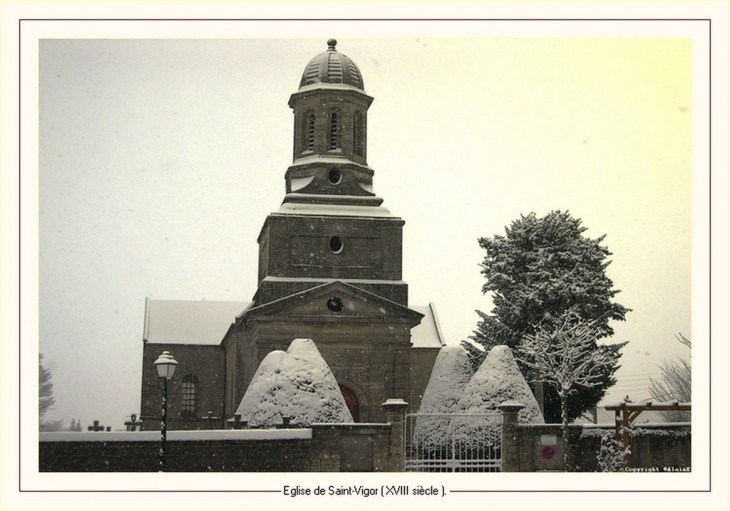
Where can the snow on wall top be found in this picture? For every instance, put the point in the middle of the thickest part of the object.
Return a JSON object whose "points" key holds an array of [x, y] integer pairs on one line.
{"points": [[428, 333], [497, 380], [189, 322], [294, 208], [318, 158], [297, 383]]}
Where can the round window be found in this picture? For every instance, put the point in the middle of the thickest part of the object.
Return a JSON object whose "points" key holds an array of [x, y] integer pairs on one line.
{"points": [[336, 244], [335, 176], [335, 304]]}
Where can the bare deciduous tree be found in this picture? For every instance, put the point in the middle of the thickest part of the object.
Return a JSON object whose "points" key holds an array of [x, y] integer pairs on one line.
{"points": [[564, 353], [675, 384]]}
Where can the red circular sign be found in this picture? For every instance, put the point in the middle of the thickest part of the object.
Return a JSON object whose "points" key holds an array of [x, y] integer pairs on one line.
{"points": [[548, 452]]}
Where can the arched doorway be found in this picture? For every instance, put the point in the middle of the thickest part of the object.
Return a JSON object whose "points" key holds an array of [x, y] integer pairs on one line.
{"points": [[352, 402]]}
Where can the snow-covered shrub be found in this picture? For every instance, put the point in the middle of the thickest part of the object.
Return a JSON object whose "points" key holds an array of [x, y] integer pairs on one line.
{"points": [[612, 455], [297, 383], [450, 374], [497, 380]]}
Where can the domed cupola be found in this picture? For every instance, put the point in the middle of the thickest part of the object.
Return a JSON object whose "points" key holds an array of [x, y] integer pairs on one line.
{"points": [[330, 135], [333, 68]]}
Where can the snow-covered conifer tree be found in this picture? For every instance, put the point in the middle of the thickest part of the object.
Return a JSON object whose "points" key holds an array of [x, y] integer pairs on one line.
{"points": [[543, 268]]}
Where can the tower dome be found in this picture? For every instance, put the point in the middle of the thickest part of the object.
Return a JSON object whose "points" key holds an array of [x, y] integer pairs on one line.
{"points": [[332, 67]]}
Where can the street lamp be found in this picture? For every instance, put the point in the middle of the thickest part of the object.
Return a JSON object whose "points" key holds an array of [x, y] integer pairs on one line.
{"points": [[165, 368]]}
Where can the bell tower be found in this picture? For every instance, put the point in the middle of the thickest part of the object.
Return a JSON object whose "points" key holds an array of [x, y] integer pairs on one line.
{"points": [[331, 224], [330, 258]]}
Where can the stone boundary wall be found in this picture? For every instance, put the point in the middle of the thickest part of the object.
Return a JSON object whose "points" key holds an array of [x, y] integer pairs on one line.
{"points": [[321, 448], [656, 447], [356, 447], [186, 451]]}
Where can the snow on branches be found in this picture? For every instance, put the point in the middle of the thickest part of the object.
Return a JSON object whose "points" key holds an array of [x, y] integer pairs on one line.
{"points": [[564, 353]]}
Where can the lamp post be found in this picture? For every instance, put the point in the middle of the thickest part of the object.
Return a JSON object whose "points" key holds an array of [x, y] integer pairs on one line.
{"points": [[165, 368]]}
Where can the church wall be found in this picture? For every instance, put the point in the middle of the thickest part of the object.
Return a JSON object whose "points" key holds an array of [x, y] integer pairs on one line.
{"points": [[233, 365], [263, 254], [422, 361], [205, 362], [374, 357]]}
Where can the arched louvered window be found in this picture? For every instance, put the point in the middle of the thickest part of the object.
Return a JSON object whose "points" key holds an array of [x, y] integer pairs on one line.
{"points": [[357, 135], [190, 393], [334, 131]]}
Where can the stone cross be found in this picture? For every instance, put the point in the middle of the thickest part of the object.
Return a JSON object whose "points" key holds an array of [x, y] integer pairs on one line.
{"points": [[210, 418], [96, 427], [133, 423]]}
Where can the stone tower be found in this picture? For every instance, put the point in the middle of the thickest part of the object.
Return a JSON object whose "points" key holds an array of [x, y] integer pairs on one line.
{"points": [[330, 257]]}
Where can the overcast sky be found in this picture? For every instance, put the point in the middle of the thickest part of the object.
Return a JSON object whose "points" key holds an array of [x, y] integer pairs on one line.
{"points": [[160, 160]]}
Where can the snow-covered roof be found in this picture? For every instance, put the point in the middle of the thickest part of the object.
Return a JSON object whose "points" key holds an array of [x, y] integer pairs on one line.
{"points": [[189, 322], [206, 322], [428, 334]]}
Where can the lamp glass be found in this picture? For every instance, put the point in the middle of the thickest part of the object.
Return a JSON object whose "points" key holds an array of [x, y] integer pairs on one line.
{"points": [[166, 365]]}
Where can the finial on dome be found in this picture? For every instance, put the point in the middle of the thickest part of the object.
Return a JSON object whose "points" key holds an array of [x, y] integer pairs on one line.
{"points": [[331, 66]]}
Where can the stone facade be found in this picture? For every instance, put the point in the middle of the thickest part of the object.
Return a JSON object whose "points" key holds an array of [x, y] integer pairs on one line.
{"points": [[330, 269], [207, 365]]}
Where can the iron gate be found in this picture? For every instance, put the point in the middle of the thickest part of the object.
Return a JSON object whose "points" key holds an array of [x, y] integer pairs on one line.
{"points": [[454, 442]]}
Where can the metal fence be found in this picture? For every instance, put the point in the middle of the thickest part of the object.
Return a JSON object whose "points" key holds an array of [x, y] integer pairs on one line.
{"points": [[456, 442]]}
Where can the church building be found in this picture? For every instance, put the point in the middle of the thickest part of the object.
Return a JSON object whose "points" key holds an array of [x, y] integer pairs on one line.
{"points": [[329, 269]]}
